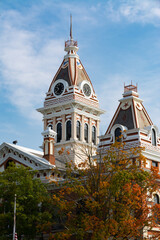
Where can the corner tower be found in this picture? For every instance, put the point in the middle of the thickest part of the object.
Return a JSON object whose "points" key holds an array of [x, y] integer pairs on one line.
{"points": [[132, 125], [71, 107]]}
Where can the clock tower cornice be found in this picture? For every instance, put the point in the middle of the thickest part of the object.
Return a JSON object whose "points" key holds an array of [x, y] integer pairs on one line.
{"points": [[69, 107]]}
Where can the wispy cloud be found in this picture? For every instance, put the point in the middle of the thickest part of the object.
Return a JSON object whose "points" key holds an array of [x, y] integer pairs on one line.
{"points": [[28, 62], [29, 55], [26, 67], [143, 11]]}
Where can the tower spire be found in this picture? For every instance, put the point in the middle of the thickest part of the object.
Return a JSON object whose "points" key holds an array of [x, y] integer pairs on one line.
{"points": [[71, 37], [71, 46]]}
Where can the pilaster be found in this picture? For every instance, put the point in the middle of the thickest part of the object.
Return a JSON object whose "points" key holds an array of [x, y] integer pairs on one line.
{"points": [[54, 124], [97, 133], [73, 118], [90, 130], [82, 130], [63, 128]]}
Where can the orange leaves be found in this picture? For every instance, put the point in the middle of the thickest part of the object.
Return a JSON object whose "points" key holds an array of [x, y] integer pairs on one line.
{"points": [[60, 152], [92, 223], [68, 152], [109, 199]]}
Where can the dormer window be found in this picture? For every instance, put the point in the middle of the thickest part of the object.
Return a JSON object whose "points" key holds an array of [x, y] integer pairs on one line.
{"points": [[154, 137], [118, 134]]}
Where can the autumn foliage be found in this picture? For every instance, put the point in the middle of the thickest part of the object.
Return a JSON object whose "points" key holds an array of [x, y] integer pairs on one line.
{"points": [[110, 197]]}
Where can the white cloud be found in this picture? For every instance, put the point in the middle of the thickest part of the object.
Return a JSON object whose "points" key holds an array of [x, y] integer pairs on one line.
{"points": [[29, 58], [141, 11], [26, 67]]}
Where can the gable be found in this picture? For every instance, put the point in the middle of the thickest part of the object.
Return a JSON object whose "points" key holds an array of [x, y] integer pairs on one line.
{"points": [[24, 156]]}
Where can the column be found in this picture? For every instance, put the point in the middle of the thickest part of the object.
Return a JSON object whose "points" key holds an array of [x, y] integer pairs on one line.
{"points": [[90, 131], [45, 124], [82, 129], [54, 124], [63, 128], [73, 118], [97, 132]]}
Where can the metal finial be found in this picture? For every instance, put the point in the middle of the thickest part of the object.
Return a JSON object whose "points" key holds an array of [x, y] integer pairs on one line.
{"points": [[15, 142], [71, 27]]}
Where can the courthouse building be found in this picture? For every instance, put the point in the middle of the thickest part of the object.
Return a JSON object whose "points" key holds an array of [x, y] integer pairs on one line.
{"points": [[71, 118]]}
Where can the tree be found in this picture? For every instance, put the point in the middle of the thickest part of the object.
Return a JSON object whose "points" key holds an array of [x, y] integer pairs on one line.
{"points": [[33, 201], [108, 198]]}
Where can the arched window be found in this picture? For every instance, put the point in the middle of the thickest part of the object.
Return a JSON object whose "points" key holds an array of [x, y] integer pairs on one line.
{"points": [[59, 132], [94, 135], [153, 137], [156, 199], [118, 133], [78, 130], [68, 130], [50, 126], [86, 132]]}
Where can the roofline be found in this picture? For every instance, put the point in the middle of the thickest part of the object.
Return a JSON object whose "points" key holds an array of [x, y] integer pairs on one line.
{"points": [[30, 155]]}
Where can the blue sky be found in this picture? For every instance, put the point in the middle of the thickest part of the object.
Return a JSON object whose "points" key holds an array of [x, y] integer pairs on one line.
{"points": [[118, 40]]}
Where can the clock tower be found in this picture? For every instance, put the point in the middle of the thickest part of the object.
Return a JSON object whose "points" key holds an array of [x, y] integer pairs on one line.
{"points": [[71, 108]]}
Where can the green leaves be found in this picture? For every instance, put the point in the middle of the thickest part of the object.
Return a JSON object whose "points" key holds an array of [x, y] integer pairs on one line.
{"points": [[31, 194]]}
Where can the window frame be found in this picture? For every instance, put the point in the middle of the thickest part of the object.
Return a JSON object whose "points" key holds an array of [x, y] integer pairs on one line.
{"points": [[68, 138], [95, 135], [78, 130], [86, 136], [118, 138], [57, 132], [153, 137]]}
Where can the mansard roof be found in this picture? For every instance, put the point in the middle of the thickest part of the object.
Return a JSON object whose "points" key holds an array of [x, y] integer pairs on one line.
{"points": [[135, 125], [72, 71], [74, 78], [130, 113]]}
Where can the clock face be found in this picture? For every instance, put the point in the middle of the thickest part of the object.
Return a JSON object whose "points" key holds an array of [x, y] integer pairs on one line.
{"points": [[59, 88], [87, 89]]}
